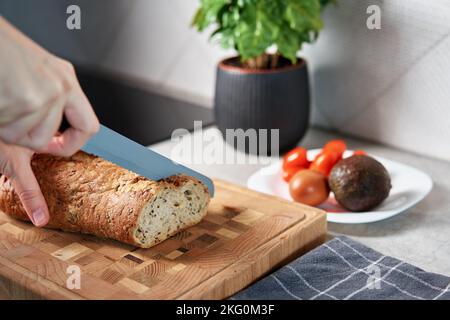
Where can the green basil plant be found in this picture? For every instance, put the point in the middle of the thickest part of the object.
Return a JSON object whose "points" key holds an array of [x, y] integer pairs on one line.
{"points": [[253, 26]]}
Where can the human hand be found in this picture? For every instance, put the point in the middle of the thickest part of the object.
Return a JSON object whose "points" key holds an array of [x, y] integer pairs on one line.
{"points": [[15, 165], [36, 90]]}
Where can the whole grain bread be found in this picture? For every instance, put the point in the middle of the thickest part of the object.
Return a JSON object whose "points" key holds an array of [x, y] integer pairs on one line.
{"points": [[87, 194]]}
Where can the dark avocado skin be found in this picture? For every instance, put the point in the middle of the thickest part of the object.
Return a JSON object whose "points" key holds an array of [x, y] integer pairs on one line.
{"points": [[359, 183]]}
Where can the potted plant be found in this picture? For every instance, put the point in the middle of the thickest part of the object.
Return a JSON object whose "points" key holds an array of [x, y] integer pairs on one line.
{"points": [[266, 85]]}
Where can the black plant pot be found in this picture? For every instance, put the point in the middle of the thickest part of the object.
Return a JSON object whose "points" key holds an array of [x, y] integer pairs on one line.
{"points": [[263, 99]]}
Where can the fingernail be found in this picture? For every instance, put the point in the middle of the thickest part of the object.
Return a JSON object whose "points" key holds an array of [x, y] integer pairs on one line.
{"points": [[39, 217]]}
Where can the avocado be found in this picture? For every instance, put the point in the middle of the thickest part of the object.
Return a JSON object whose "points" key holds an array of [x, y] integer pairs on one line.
{"points": [[359, 183]]}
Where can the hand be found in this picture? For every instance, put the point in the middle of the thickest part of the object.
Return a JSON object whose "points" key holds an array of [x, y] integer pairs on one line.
{"points": [[36, 89], [15, 164]]}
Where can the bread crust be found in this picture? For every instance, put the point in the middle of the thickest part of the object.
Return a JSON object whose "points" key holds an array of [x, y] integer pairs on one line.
{"points": [[87, 194]]}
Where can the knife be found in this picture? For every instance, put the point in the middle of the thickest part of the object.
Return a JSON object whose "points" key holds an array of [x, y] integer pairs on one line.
{"points": [[126, 153]]}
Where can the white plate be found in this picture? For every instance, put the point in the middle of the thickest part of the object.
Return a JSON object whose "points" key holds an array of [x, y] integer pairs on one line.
{"points": [[409, 186]]}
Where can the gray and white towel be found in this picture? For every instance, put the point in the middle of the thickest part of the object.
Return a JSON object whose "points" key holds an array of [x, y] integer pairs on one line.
{"points": [[343, 269]]}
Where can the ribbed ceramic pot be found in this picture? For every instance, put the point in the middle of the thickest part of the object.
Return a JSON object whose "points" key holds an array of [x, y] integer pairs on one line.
{"points": [[263, 99]]}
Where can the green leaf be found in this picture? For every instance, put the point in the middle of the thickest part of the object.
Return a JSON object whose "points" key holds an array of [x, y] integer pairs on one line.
{"points": [[288, 44], [225, 36], [304, 15], [199, 20], [257, 29], [207, 14], [251, 40], [252, 26]]}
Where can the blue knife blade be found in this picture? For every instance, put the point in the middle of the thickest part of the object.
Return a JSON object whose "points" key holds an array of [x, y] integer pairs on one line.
{"points": [[126, 153]]}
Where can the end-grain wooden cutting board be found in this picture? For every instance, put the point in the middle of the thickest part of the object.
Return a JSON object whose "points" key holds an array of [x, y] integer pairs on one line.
{"points": [[244, 235]]}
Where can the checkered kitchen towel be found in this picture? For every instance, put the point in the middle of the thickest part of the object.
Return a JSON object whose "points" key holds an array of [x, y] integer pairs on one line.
{"points": [[345, 269]]}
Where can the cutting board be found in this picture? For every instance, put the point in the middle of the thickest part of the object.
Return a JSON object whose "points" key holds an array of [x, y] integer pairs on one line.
{"points": [[244, 236]]}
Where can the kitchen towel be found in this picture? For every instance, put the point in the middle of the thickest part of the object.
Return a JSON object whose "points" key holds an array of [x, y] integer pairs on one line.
{"points": [[343, 269]]}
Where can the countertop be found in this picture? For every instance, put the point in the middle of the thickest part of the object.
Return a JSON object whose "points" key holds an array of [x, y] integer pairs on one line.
{"points": [[420, 236]]}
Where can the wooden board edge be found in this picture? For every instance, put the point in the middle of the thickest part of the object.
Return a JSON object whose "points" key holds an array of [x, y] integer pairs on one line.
{"points": [[236, 277]]}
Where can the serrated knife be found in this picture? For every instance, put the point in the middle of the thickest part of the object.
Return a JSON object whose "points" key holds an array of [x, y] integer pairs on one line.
{"points": [[126, 153]]}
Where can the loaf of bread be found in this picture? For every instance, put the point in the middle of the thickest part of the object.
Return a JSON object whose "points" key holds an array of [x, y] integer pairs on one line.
{"points": [[87, 194]]}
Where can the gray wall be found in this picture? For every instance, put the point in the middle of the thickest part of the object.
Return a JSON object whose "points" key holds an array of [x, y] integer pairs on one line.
{"points": [[390, 85]]}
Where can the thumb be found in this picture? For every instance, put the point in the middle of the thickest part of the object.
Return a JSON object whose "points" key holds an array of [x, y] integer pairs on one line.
{"points": [[29, 192]]}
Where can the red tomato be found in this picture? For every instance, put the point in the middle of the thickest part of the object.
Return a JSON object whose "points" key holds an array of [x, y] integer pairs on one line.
{"points": [[359, 153], [325, 162], [335, 155], [297, 158], [338, 146], [289, 172]]}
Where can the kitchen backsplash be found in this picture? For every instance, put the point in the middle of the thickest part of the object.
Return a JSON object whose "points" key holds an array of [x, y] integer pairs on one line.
{"points": [[389, 85]]}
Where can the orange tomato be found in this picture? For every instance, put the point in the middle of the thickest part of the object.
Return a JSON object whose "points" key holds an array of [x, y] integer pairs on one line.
{"points": [[359, 153], [338, 146], [309, 187], [289, 172], [297, 158], [324, 162]]}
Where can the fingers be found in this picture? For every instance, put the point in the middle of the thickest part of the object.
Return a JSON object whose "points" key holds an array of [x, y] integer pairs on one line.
{"points": [[34, 99], [36, 130], [39, 103], [66, 144], [16, 132], [83, 121], [29, 192], [77, 111], [40, 136]]}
